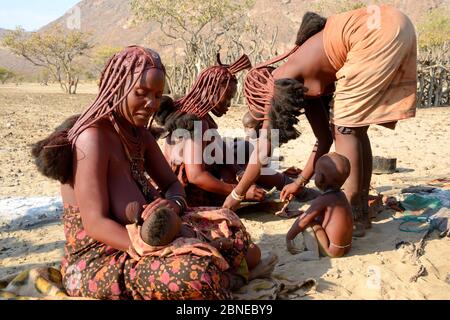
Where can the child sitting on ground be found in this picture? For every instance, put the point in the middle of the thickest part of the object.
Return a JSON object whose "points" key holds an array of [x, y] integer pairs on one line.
{"points": [[328, 222]]}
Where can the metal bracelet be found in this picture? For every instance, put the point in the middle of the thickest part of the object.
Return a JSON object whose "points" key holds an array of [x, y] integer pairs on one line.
{"points": [[303, 182], [237, 197], [180, 201]]}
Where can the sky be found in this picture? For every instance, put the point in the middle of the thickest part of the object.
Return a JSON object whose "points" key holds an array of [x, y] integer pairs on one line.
{"points": [[32, 14]]}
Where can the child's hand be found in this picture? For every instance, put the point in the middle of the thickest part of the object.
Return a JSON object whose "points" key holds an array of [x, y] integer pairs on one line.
{"points": [[291, 246], [133, 212], [289, 191], [290, 237]]}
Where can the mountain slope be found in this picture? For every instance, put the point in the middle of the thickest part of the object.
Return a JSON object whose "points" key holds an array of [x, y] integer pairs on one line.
{"points": [[108, 23]]}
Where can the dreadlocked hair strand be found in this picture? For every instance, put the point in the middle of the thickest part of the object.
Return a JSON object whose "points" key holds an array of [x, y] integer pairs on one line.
{"points": [[172, 119], [129, 63], [312, 23], [258, 87], [53, 155], [203, 96], [288, 104]]}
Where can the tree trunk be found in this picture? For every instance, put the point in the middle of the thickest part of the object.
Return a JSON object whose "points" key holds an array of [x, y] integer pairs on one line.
{"points": [[63, 86], [73, 86]]}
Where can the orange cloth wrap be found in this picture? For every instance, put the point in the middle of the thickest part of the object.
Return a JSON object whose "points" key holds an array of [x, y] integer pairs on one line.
{"points": [[374, 51]]}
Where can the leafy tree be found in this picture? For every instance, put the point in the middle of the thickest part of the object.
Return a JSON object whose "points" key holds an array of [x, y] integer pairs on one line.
{"points": [[434, 29], [201, 26], [330, 7], [6, 75], [101, 54], [44, 77], [56, 50]]}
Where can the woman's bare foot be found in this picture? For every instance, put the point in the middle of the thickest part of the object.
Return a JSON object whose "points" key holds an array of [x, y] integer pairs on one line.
{"points": [[265, 267]]}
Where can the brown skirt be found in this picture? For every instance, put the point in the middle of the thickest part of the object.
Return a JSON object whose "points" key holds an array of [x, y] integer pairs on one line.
{"points": [[94, 270]]}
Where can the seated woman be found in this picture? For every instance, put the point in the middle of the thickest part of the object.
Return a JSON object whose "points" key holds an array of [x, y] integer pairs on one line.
{"points": [[204, 167], [104, 159]]}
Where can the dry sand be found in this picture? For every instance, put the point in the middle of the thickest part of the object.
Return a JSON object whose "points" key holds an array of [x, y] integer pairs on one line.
{"points": [[375, 269]]}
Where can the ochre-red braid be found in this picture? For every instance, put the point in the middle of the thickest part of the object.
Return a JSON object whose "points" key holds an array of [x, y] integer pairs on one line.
{"points": [[203, 96], [259, 85], [241, 64], [130, 63]]}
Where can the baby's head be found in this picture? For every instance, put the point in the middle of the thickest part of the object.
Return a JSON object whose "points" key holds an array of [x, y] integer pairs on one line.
{"points": [[332, 170], [160, 229], [251, 125]]}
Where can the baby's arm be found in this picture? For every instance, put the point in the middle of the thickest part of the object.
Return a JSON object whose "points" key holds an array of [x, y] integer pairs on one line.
{"points": [[317, 208], [222, 244], [187, 231]]}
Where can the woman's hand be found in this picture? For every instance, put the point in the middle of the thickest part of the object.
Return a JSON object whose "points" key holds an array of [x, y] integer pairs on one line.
{"points": [[231, 203], [290, 190], [160, 202], [255, 193]]}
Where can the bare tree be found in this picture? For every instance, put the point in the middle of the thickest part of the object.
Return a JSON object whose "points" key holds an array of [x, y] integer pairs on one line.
{"points": [[200, 26]]}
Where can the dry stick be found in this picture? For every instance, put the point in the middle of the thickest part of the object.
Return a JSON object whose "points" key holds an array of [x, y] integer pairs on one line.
{"points": [[439, 87], [418, 252], [283, 210], [271, 192], [430, 94], [422, 271]]}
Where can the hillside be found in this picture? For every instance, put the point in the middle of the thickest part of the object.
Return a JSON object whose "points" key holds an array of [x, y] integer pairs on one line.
{"points": [[109, 20], [109, 23], [15, 63]]}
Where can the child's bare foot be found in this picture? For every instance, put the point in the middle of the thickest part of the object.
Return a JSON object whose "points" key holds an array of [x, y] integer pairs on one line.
{"points": [[265, 267], [235, 282]]}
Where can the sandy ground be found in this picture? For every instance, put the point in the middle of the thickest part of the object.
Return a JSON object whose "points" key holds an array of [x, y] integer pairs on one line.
{"points": [[374, 269]]}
